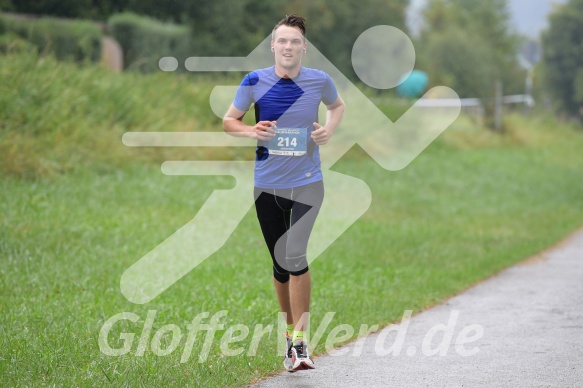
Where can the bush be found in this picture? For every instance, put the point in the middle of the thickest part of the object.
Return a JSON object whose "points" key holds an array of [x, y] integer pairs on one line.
{"points": [[12, 43], [67, 40], [144, 40]]}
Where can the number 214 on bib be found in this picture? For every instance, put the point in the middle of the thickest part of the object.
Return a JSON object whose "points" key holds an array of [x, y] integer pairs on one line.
{"points": [[289, 141]]}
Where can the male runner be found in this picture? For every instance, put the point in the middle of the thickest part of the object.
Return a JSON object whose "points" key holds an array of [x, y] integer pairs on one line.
{"points": [[288, 180]]}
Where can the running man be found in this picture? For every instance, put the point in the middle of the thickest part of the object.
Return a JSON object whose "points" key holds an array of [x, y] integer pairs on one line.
{"points": [[289, 189]]}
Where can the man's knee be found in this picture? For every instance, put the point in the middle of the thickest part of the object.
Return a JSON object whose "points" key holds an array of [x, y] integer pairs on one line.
{"points": [[296, 265], [280, 274], [300, 272]]}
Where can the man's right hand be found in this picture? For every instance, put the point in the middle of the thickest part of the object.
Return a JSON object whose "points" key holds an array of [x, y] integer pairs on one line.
{"points": [[263, 130]]}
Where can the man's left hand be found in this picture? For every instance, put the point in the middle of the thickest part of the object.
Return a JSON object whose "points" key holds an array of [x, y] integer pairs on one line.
{"points": [[320, 134]]}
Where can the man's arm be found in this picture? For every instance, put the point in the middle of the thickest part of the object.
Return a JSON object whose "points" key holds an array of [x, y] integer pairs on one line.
{"points": [[233, 124], [334, 113]]}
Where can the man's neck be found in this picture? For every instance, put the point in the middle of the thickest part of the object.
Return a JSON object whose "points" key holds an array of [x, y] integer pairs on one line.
{"points": [[287, 73]]}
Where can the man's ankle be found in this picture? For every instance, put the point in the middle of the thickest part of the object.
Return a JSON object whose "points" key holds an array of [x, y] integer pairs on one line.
{"points": [[298, 335]]}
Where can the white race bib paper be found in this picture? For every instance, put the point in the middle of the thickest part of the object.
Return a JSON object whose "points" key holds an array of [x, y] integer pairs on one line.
{"points": [[289, 141]]}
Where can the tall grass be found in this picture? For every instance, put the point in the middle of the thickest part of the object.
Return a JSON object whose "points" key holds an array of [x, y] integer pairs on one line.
{"points": [[58, 116]]}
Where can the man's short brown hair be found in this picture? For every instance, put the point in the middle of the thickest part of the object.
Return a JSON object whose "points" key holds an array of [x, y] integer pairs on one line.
{"points": [[293, 20]]}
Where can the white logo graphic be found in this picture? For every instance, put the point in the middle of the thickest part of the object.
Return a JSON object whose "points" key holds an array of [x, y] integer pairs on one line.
{"points": [[380, 57]]}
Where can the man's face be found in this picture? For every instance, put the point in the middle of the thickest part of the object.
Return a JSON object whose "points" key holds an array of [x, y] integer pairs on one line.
{"points": [[288, 45]]}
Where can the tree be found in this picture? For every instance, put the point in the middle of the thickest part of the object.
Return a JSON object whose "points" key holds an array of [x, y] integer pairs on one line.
{"points": [[224, 27], [453, 58], [563, 56], [6, 5], [234, 28], [333, 27], [79, 9], [468, 45]]}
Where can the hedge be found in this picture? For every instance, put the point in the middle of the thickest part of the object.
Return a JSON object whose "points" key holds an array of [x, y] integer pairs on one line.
{"points": [[66, 39], [145, 40]]}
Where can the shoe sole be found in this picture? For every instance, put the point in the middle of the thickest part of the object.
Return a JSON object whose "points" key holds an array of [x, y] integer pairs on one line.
{"points": [[288, 366], [302, 366]]}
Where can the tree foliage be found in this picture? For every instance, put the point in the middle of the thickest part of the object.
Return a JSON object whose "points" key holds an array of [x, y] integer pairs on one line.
{"points": [[234, 28], [78, 9], [223, 27], [333, 27], [563, 56], [456, 61], [468, 45]]}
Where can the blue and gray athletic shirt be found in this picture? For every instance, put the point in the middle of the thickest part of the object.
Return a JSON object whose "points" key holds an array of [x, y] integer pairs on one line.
{"points": [[293, 103]]}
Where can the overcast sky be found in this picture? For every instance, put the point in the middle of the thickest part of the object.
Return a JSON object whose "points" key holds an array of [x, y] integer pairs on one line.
{"points": [[528, 16]]}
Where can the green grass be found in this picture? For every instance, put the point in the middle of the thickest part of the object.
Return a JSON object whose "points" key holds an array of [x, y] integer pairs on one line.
{"points": [[469, 206]]}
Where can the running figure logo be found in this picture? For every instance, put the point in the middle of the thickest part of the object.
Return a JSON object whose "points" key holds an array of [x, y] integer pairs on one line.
{"points": [[380, 57]]}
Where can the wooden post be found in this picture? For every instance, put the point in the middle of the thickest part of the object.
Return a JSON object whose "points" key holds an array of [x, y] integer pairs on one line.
{"points": [[111, 54], [498, 107], [528, 91]]}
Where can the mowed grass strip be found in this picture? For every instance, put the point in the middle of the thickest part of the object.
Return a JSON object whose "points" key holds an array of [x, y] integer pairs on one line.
{"points": [[469, 206]]}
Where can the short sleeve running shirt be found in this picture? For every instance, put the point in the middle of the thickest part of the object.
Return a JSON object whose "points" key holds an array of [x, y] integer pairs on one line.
{"points": [[294, 104]]}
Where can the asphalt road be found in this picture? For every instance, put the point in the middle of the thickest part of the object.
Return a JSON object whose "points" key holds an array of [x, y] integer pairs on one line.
{"points": [[520, 328]]}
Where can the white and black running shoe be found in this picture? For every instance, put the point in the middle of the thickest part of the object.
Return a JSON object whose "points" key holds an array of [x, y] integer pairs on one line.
{"points": [[300, 357]]}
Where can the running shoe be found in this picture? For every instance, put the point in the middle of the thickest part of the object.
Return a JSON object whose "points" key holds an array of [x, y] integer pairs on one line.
{"points": [[300, 357]]}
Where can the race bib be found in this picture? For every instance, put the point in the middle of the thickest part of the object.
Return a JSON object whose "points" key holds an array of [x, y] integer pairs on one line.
{"points": [[289, 141]]}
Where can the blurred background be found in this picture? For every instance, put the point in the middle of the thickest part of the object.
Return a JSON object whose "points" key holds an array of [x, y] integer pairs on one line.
{"points": [[498, 55], [78, 207]]}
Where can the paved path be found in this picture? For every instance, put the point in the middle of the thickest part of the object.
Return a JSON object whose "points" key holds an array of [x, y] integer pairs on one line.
{"points": [[532, 319]]}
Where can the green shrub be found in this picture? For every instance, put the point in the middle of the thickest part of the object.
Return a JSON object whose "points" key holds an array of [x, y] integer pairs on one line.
{"points": [[66, 39], [144, 40], [12, 43]]}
